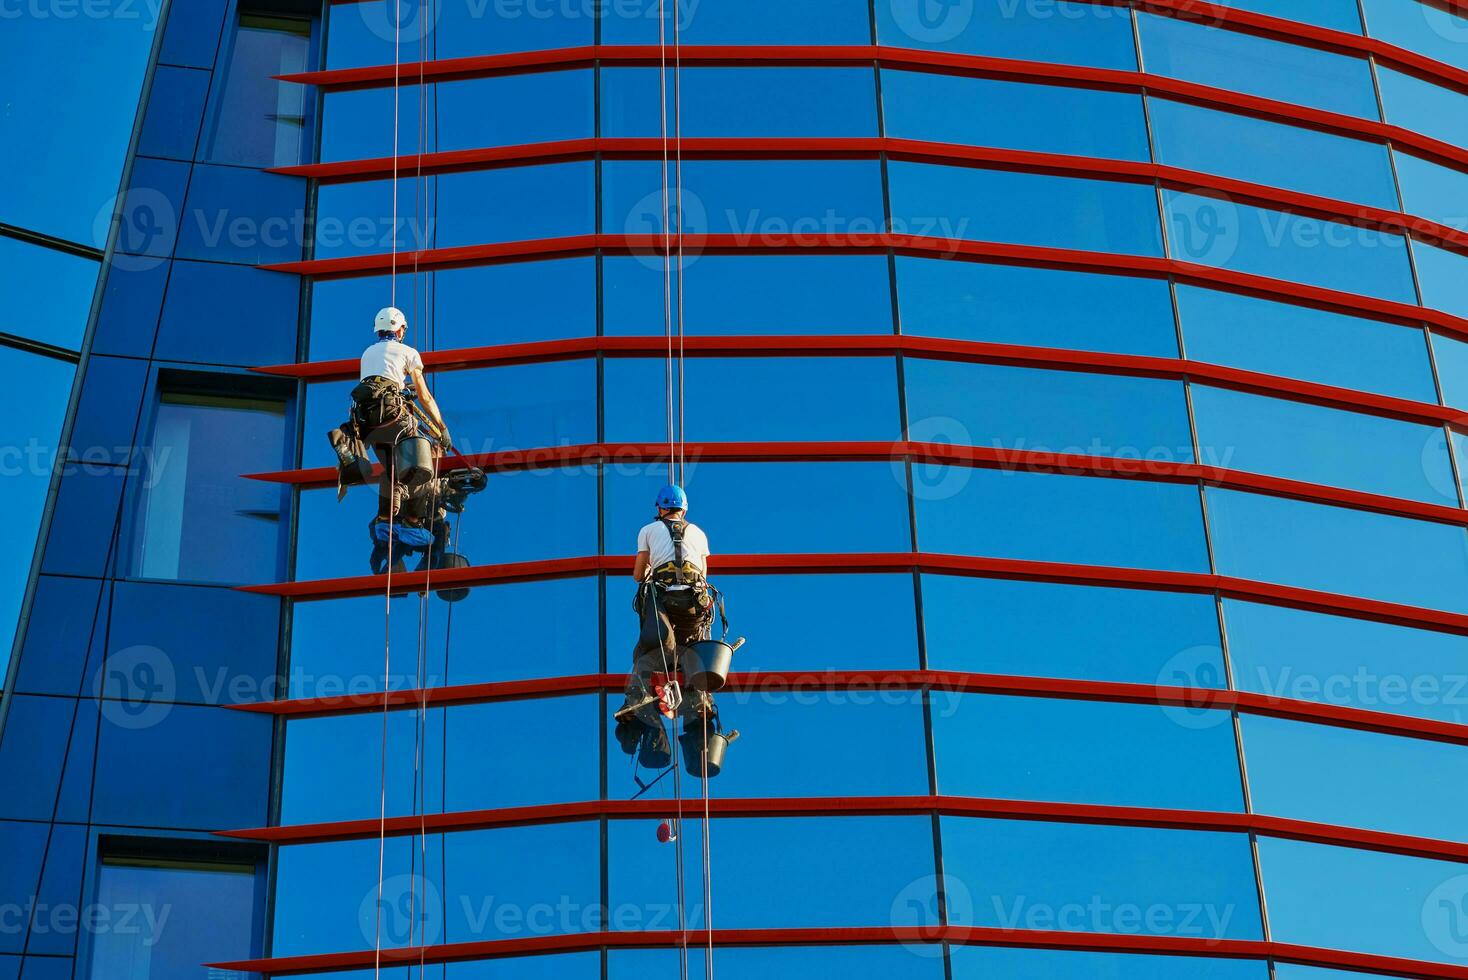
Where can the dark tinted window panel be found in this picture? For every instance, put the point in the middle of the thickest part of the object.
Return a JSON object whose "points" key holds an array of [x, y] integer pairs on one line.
{"points": [[472, 208], [50, 293], [850, 882], [493, 529], [81, 539], [65, 622], [1029, 629], [1008, 304], [352, 121], [1423, 107], [1337, 15], [175, 112], [19, 874], [1017, 874], [998, 963], [996, 746], [773, 612], [1300, 342], [147, 223], [787, 201], [1364, 901], [1017, 115], [226, 314], [33, 751], [1356, 779], [249, 217], [1226, 59], [1039, 410], [131, 301], [960, 203], [742, 102], [333, 765], [863, 506], [815, 399], [335, 644], [473, 307], [322, 889], [1290, 653], [105, 426], [1299, 441], [1441, 273], [1217, 232], [1047, 517], [369, 34], [740, 22], [1067, 33], [1291, 157], [752, 294], [1336, 549], [1431, 190], [1428, 28]]}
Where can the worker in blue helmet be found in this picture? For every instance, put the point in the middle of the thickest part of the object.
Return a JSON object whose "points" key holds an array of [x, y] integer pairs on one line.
{"points": [[675, 608]]}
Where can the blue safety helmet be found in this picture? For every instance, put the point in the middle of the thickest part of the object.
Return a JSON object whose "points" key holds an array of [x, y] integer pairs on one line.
{"points": [[672, 497]]}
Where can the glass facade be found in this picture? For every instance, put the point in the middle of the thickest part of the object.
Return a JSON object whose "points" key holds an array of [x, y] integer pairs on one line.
{"points": [[1072, 395]]}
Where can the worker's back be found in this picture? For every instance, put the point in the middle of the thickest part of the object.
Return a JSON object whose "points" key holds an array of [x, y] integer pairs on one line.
{"points": [[391, 359], [657, 540]]}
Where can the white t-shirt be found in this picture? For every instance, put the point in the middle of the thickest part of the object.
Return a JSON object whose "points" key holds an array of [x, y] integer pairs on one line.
{"points": [[389, 359], [657, 541]]}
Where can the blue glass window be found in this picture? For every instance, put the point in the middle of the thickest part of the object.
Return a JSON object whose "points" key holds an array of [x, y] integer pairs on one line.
{"points": [[175, 112], [1226, 59], [472, 307], [792, 201], [65, 619], [752, 294], [75, 125], [353, 127], [1016, 116], [1041, 629], [760, 963], [1048, 517], [213, 912], [1451, 356], [371, 32], [33, 753], [333, 765], [1337, 549], [1008, 304], [1299, 441], [1263, 152], [1421, 106], [334, 643], [863, 506], [49, 293], [996, 746], [258, 120], [1342, 898], [1336, 775], [742, 102], [236, 214], [958, 203], [1098, 35], [1050, 411], [1442, 275], [1301, 342], [251, 315], [198, 518], [1279, 245], [739, 22], [1337, 15], [471, 208], [1427, 28], [1291, 653], [1019, 874], [999, 963], [851, 883], [1431, 190], [819, 399]]}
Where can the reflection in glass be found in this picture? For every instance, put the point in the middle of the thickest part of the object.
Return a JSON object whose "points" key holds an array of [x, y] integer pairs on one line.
{"points": [[260, 121], [1098, 35], [742, 102]]}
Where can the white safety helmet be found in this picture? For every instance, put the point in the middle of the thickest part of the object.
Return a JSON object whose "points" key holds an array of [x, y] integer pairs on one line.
{"points": [[390, 319]]}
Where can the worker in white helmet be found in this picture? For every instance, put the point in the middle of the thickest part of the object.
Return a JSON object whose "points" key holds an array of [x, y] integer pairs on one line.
{"points": [[379, 409]]}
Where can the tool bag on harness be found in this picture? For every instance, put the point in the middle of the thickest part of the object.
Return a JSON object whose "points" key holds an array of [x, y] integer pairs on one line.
{"points": [[377, 402]]}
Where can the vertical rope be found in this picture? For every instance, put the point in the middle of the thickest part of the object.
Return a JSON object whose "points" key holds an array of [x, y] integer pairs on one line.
{"points": [[392, 468], [678, 180], [708, 884], [667, 231]]}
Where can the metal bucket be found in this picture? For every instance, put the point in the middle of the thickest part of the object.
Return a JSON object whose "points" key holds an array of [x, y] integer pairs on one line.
{"points": [[718, 744], [450, 560], [415, 462], [706, 665]]}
